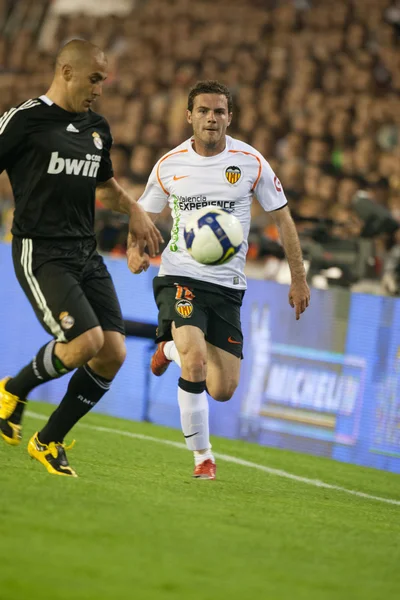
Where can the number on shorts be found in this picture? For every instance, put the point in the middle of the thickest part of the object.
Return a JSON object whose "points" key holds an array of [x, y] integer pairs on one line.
{"points": [[183, 293]]}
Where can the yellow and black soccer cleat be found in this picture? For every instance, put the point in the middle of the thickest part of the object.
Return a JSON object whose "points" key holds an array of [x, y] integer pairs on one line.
{"points": [[9, 431], [52, 456]]}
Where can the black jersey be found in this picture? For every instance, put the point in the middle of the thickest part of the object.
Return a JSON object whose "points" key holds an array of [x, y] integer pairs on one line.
{"points": [[54, 160]]}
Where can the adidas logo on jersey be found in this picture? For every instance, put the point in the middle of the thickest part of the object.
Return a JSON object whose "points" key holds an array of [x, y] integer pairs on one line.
{"points": [[72, 128], [73, 166]]}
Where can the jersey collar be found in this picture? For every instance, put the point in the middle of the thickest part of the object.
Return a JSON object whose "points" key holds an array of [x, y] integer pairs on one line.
{"points": [[205, 158], [46, 100]]}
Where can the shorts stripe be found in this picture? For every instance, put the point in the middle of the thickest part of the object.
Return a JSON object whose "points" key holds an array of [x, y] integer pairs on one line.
{"points": [[26, 262]]}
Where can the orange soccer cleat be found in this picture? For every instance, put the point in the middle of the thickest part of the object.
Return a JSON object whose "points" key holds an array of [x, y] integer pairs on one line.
{"points": [[205, 470], [159, 362]]}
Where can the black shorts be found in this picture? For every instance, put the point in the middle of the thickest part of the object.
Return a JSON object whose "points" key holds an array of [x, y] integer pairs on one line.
{"points": [[68, 286], [214, 309]]}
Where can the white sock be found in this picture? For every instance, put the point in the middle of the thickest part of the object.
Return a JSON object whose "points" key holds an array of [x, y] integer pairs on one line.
{"points": [[194, 421], [202, 455], [172, 353]]}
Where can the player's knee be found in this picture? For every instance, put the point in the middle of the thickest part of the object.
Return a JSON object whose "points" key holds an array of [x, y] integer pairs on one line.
{"points": [[120, 355], [94, 341], [89, 344], [194, 365], [117, 358], [110, 358], [221, 392], [82, 349]]}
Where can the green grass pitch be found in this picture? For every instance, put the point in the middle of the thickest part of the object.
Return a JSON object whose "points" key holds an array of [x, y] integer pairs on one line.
{"points": [[135, 525]]}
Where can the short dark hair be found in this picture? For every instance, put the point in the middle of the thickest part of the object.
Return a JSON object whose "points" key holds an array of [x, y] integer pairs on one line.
{"points": [[209, 86]]}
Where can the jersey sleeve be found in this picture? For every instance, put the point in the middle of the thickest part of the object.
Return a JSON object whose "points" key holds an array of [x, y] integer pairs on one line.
{"points": [[268, 189], [105, 171], [12, 135], [154, 199]]}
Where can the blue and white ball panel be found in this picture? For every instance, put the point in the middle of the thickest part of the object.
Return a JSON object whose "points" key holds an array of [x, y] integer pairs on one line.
{"points": [[213, 236]]}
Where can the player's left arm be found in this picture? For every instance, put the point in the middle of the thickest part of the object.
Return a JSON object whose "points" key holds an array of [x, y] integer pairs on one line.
{"points": [[299, 293], [142, 231], [271, 196]]}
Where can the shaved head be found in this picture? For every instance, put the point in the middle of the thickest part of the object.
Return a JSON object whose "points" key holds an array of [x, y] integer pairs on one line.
{"points": [[81, 69], [77, 51]]}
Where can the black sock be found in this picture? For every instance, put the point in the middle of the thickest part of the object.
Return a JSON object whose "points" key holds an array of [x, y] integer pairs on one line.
{"points": [[44, 367], [85, 389]]}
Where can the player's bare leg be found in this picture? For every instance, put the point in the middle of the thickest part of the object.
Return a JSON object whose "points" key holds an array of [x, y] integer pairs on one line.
{"points": [[223, 373], [108, 361], [192, 397], [80, 350], [222, 377]]}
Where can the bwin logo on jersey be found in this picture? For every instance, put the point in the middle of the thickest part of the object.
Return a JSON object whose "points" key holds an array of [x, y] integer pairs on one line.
{"points": [[73, 166]]}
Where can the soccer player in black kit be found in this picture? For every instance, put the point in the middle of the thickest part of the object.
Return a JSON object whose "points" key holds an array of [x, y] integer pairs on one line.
{"points": [[56, 151]]}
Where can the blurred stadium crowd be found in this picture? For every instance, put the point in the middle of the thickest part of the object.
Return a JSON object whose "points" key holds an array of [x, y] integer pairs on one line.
{"points": [[316, 88]]}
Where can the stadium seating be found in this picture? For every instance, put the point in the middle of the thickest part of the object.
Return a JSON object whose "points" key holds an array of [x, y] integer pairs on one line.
{"points": [[315, 90]]}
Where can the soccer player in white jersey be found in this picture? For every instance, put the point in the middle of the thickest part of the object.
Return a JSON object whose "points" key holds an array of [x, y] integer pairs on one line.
{"points": [[199, 306]]}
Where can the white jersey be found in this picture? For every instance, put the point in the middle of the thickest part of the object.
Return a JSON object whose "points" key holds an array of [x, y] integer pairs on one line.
{"points": [[189, 181]]}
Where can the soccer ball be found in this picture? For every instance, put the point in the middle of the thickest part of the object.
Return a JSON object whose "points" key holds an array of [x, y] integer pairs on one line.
{"points": [[213, 236]]}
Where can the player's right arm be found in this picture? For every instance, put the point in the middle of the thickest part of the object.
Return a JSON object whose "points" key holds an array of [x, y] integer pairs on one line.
{"points": [[12, 126], [137, 263], [153, 200]]}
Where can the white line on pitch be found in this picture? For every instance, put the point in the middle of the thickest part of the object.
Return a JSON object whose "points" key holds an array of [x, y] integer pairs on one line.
{"points": [[233, 459]]}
